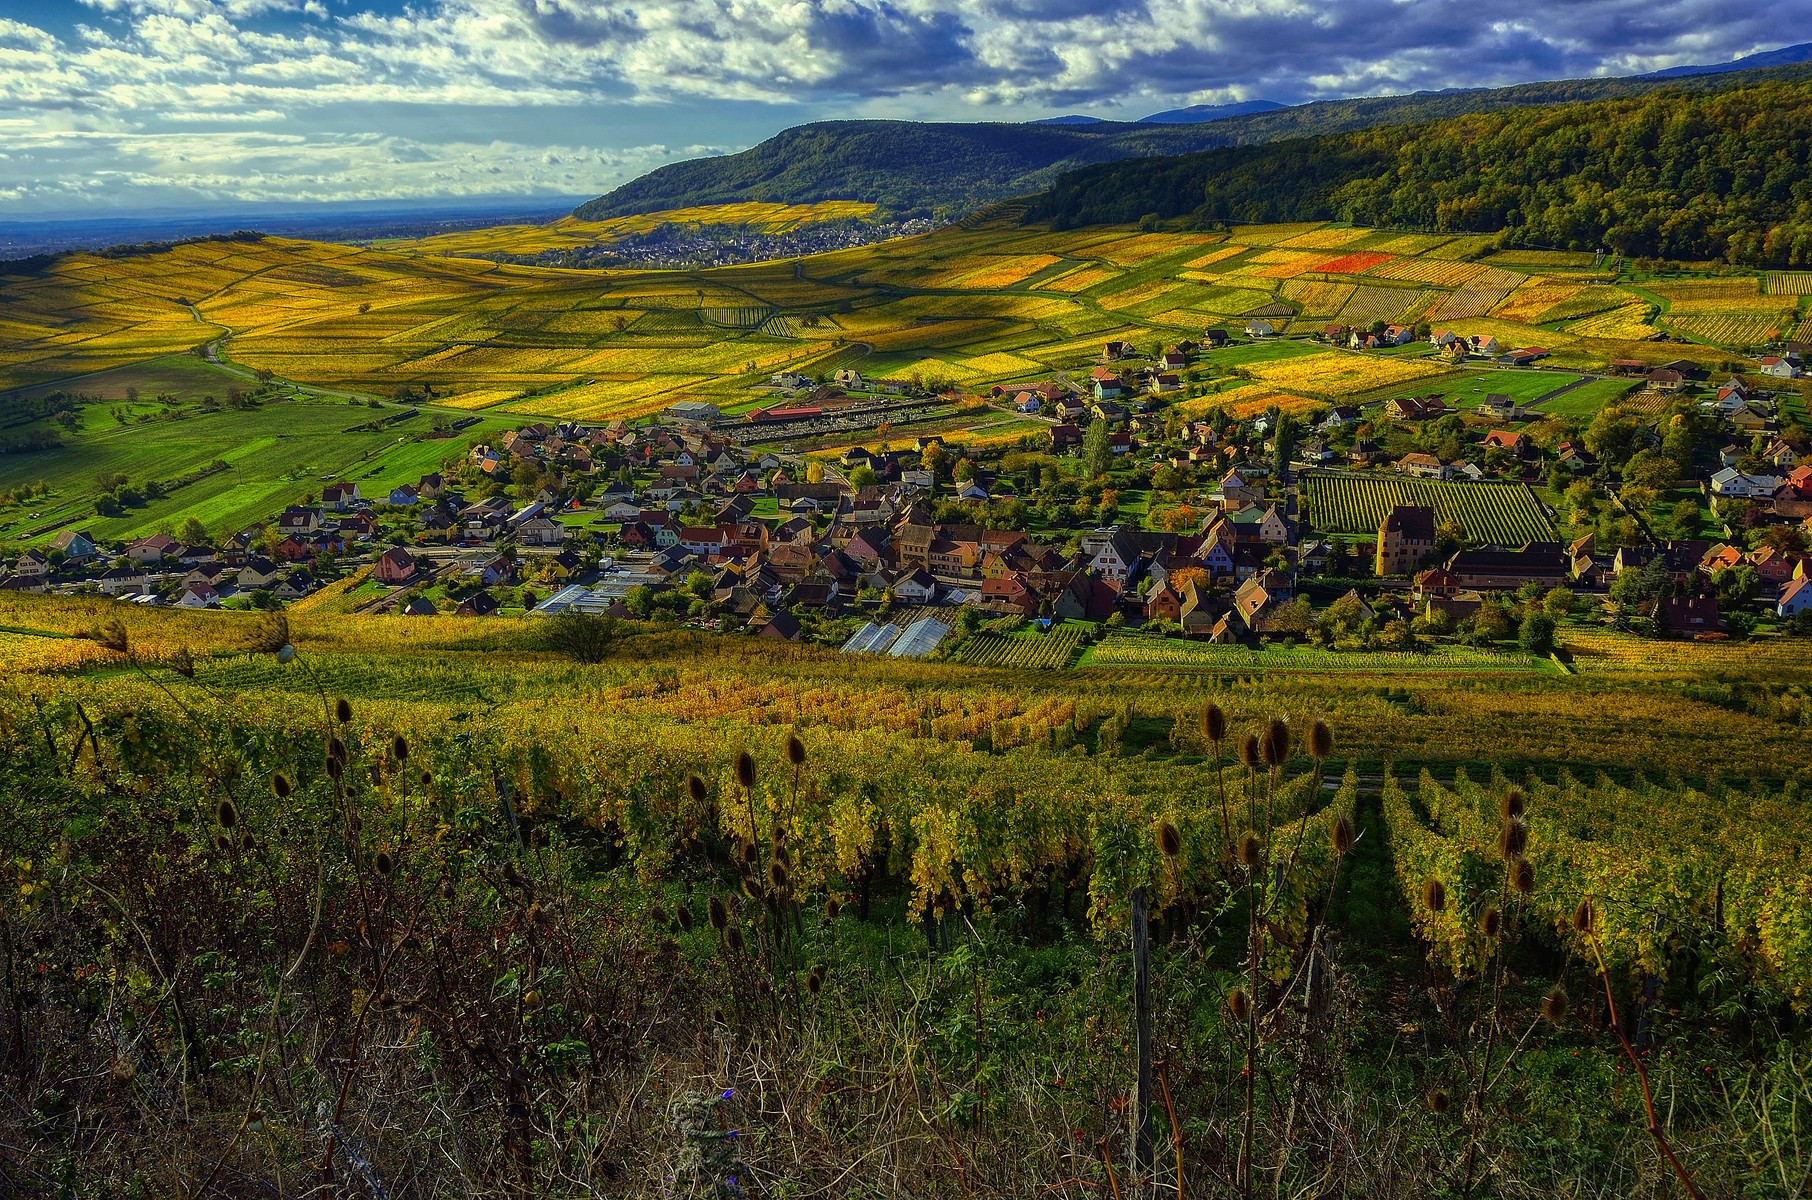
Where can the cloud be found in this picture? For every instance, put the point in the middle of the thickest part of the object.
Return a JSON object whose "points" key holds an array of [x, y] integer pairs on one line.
{"points": [[419, 72]]}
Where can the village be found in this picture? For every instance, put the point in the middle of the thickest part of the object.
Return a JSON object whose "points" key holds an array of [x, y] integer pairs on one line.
{"points": [[1386, 525]]}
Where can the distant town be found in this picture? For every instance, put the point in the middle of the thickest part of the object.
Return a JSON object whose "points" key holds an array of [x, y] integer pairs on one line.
{"points": [[1685, 511]]}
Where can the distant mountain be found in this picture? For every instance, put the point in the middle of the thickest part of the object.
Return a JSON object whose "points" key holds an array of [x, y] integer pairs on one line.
{"points": [[1071, 119], [915, 170], [1195, 114], [1785, 56]]}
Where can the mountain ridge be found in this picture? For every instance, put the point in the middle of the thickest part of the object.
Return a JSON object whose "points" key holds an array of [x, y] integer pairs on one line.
{"points": [[941, 170]]}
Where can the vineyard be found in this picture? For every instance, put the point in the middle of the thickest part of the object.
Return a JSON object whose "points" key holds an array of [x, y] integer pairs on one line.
{"points": [[1703, 880], [1505, 514], [1050, 651], [1141, 650]]}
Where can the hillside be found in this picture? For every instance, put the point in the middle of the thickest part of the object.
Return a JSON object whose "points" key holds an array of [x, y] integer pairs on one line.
{"points": [[906, 167], [921, 169], [1675, 174]]}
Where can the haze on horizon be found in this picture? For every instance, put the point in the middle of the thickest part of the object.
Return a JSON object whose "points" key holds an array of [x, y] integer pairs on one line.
{"points": [[118, 106]]}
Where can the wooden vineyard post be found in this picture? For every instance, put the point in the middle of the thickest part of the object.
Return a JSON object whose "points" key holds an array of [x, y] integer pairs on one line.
{"points": [[1141, 948]]}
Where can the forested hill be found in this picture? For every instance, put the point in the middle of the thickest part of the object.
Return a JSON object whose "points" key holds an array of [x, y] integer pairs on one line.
{"points": [[913, 169], [908, 168], [1675, 174]]}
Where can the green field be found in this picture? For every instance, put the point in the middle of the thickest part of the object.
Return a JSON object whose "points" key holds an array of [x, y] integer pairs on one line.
{"points": [[1357, 503], [1468, 389], [1587, 399], [275, 453]]}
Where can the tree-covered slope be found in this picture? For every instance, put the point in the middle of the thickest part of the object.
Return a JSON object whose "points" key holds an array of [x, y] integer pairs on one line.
{"points": [[927, 169], [1674, 173], [906, 167]]}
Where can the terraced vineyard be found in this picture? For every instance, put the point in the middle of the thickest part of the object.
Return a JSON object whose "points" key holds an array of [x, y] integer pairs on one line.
{"points": [[1507, 514]]}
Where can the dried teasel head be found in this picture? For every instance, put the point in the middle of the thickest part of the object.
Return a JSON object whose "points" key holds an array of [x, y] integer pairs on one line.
{"points": [[1512, 839], [1522, 877], [183, 663], [1214, 724], [334, 770], [750, 853], [336, 749], [280, 785], [1274, 748], [1439, 1101], [682, 916], [777, 876], [226, 814], [273, 636], [1512, 806], [399, 748], [111, 635], [745, 769], [1434, 895], [1239, 1004], [222, 843], [695, 787], [342, 710], [1251, 850], [427, 779], [795, 750], [716, 913], [446, 888], [1248, 751], [733, 937], [831, 909], [1341, 837], [1169, 840], [814, 983], [382, 863], [1321, 740], [1491, 922], [1584, 917], [1554, 1005]]}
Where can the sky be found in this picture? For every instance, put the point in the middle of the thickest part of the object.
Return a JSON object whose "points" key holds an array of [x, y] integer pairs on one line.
{"points": [[124, 106]]}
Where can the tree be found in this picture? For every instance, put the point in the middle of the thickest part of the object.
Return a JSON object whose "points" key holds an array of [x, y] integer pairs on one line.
{"points": [[1736, 585], [1097, 454], [1558, 603], [814, 472], [1284, 444], [1537, 633], [583, 637], [193, 532]]}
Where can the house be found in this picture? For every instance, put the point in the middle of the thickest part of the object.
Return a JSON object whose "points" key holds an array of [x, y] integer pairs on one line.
{"points": [[1165, 383], [1412, 408], [782, 627], [540, 531], [1487, 568], [1422, 466], [293, 586], [1506, 439], [1398, 335], [299, 521], [478, 604], [1779, 368], [1260, 329], [338, 497], [1106, 384], [1500, 407], [1258, 598], [1405, 538], [76, 547], [151, 551], [1525, 356], [198, 595], [1114, 350], [915, 586], [420, 606], [395, 566], [32, 564], [1665, 379], [1486, 345], [1731, 483], [1009, 593], [259, 573], [1116, 557], [1442, 338], [1687, 616], [1795, 597], [1163, 604]]}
